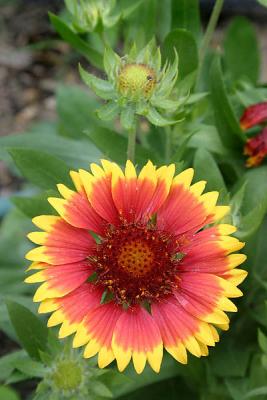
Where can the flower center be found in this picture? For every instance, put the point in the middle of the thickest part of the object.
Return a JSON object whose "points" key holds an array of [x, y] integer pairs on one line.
{"points": [[136, 258], [136, 263], [136, 80]]}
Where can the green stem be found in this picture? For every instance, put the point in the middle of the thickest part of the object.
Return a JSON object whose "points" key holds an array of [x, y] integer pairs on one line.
{"points": [[168, 144], [131, 143], [210, 29]]}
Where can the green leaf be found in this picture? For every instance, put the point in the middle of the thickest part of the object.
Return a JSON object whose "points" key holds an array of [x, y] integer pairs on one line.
{"points": [[7, 363], [108, 111], [184, 43], [7, 393], [31, 331], [40, 168], [207, 137], [31, 368], [36, 205], [206, 168], [75, 41], [229, 361], [114, 146], [260, 391], [225, 119], [128, 118], [251, 222], [256, 184], [76, 110], [186, 15], [263, 2], [75, 153], [241, 50], [100, 87], [178, 155], [101, 389], [157, 119], [262, 339]]}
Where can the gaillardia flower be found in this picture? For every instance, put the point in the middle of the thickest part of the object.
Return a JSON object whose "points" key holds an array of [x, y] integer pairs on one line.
{"points": [[136, 84], [134, 264], [256, 146]]}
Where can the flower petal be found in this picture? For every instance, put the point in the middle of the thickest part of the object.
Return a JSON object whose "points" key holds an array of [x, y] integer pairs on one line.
{"points": [[136, 335]]}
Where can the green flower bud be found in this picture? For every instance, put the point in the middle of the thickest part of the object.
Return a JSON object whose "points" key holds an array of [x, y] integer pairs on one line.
{"points": [[68, 375], [136, 80], [137, 84]]}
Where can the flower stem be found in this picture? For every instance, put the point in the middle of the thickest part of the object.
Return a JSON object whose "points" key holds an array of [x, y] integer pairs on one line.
{"points": [[168, 144], [131, 143], [210, 28]]}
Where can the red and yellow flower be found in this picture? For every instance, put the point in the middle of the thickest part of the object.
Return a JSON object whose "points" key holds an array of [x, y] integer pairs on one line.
{"points": [[136, 263], [256, 146]]}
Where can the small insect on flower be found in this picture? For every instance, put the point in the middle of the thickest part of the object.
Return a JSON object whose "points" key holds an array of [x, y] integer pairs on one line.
{"points": [[134, 264], [137, 84], [256, 146]]}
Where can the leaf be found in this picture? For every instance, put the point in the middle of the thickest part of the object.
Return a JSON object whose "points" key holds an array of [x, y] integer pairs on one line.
{"points": [[101, 389], [241, 50], [207, 137], [31, 368], [76, 110], [114, 146], [263, 2], [184, 43], [36, 205], [262, 339], [225, 119], [256, 184], [41, 168], [31, 331], [157, 119], [7, 363], [75, 41], [206, 168], [74, 153], [251, 222], [102, 88], [260, 391], [108, 111], [7, 393], [178, 155], [128, 118], [186, 15]]}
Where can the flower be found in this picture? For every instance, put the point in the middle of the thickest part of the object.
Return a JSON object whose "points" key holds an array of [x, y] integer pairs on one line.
{"points": [[256, 146], [86, 15], [256, 149], [134, 263], [136, 85], [254, 115]]}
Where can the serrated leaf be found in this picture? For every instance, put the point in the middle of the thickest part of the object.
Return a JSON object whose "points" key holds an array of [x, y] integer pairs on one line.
{"points": [[75, 41], [101, 88], [241, 50], [31, 331], [225, 119], [41, 168]]}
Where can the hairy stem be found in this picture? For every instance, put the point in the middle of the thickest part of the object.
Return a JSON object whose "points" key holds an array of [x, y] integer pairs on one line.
{"points": [[131, 144]]}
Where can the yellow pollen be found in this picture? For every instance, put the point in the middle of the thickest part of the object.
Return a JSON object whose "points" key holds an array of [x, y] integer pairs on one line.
{"points": [[136, 80], [136, 258]]}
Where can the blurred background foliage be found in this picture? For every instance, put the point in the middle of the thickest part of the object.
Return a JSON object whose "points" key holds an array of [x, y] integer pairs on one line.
{"points": [[49, 125]]}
